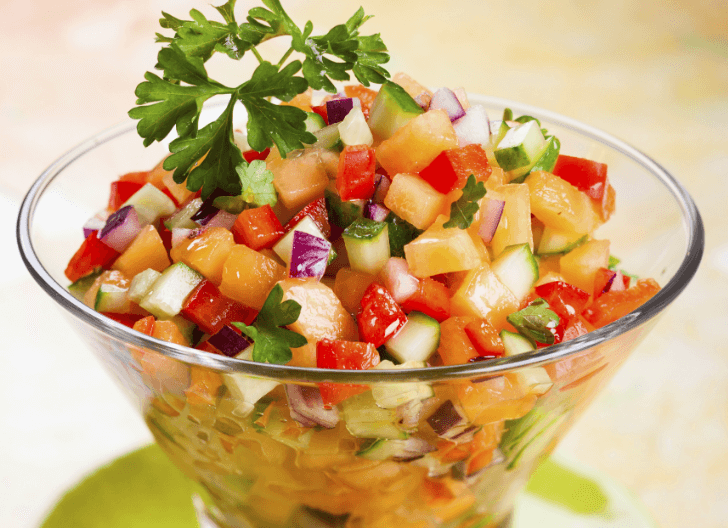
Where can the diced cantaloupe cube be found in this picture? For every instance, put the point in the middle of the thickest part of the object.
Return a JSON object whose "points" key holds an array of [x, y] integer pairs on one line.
{"points": [[146, 251], [482, 294], [349, 287], [496, 399], [249, 276], [179, 191], [549, 264], [515, 223], [170, 332], [110, 277], [560, 205], [322, 314], [412, 87], [443, 250], [455, 347], [579, 266], [413, 199], [551, 276], [299, 178], [416, 144], [206, 253]]}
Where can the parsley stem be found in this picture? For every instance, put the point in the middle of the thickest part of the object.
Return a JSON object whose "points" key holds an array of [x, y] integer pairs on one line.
{"points": [[285, 57], [257, 55]]}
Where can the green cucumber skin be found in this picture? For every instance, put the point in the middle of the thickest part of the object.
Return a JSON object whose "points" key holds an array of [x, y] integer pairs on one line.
{"points": [[392, 109], [314, 122], [504, 272], [401, 345], [515, 343], [546, 162], [367, 245], [341, 213], [401, 233], [548, 247], [79, 288], [364, 229]]}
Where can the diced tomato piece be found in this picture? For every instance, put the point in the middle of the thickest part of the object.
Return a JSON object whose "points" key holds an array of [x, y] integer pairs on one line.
{"points": [[121, 191], [603, 279], [612, 305], [348, 355], [575, 327], [451, 168], [380, 316], [136, 177], [91, 255], [565, 299], [586, 175], [365, 95], [316, 210], [355, 177], [207, 347], [485, 338], [257, 228], [321, 110], [127, 319], [431, 298], [145, 325], [252, 155], [211, 310]]}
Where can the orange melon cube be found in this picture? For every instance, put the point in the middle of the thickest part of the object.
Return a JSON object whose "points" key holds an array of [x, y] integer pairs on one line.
{"points": [[413, 199], [206, 253], [455, 346], [299, 178], [146, 251], [170, 332], [494, 400], [412, 87], [560, 205], [249, 276], [442, 250], [416, 144], [179, 191], [349, 287], [110, 277], [579, 266], [515, 223], [481, 294]]}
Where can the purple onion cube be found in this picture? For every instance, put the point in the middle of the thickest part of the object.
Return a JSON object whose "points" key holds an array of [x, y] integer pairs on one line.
{"points": [[337, 109], [445, 99], [491, 212], [121, 228], [309, 255], [376, 212], [229, 342]]}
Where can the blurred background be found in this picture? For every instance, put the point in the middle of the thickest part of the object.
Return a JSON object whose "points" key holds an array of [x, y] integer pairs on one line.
{"points": [[653, 73]]}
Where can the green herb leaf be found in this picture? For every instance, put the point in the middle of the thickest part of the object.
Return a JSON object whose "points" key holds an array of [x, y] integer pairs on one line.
{"points": [[257, 183], [272, 344], [536, 322], [613, 262], [464, 208]]}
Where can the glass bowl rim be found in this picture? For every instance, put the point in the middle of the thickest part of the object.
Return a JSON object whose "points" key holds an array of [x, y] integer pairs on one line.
{"points": [[667, 294]]}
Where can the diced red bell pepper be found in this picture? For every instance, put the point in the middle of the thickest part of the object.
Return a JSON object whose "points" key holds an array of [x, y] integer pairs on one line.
{"points": [[207, 347], [431, 298], [121, 191], [355, 176], [612, 305], [316, 210], [604, 278], [136, 177], [348, 355], [125, 319], [257, 228], [451, 168], [586, 175], [565, 299], [380, 316], [211, 310], [575, 327], [252, 155], [365, 95], [91, 255], [485, 338], [321, 110]]}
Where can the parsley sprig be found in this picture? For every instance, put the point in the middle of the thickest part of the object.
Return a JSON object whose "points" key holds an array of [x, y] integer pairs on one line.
{"points": [[462, 210], [272, 343], [175, 99]]}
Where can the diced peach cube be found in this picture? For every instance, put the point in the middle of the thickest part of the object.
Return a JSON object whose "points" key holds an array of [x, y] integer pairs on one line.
{"points": [[249, 276], [416, 144], [413, 199], [146, 251], [206, 253], [482, 294]]}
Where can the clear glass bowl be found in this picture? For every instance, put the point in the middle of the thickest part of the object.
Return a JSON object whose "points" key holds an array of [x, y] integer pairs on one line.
{"points": [[261, 469]]}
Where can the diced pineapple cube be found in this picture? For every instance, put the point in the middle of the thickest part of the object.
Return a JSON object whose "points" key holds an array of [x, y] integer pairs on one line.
{"points": [[206, 253], [146, 251], [482, 294], [249, 276], [560, 205], [416, 144], [515, 223], [299, 178], [442, 250], [413, 199], [580, 265]]}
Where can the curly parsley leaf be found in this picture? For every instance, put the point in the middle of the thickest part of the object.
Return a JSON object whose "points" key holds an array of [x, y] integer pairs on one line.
{"points": [[272, 343], [536, 322], [464, 208]]}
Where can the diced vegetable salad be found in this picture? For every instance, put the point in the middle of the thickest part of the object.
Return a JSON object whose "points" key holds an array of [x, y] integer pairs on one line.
{"points": [[416, 231]]}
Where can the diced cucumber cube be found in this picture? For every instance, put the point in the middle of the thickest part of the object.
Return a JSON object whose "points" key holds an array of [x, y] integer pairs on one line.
{"points": [[354, 130], [342, 213], [383, 449], [314, 122], [328, 137], [517, 268], [367, 245], [533, 379], [392, 395], [183, 217], [150, 203], [142, 283], [111, 298], [364, 419], [417, 340], [79, 288], [246, 390], [391, 109], [545, 162], [558, 241], [284, 246], [167, 295], [498, 132], [520, 147]]}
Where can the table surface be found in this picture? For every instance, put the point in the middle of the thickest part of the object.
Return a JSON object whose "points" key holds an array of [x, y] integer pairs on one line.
{"points": [[652, 73]]}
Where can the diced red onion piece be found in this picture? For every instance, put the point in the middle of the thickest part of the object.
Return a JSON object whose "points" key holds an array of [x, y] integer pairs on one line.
{"points": [[222, 219], [408, 415], [376, 212], [309, 255], [615, 283], [180, 234], [492, 210], [382, 187], [307, 407], [121, 228], [445, 99], [473, 127], [95, 223], [447, 419], [398, 280], [337, 109], [413, 448], [228, 341], [207, 211]]}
